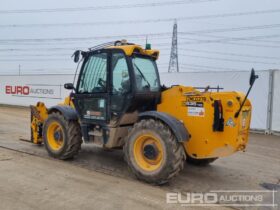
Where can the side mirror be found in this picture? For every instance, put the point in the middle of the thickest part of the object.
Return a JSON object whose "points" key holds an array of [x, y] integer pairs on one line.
{"points": [[76, 56], [69, 86], [253, 77]]}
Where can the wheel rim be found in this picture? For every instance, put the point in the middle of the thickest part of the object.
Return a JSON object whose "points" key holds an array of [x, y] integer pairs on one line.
{"points": [[55, 136], [148, 152]]}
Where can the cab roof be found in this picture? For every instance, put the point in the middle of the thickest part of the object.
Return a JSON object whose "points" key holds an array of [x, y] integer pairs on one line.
{"points": [[129, 49]]}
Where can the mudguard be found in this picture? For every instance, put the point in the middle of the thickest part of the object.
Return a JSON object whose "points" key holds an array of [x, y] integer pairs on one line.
{"points": [[67, 111], [177, 127]]}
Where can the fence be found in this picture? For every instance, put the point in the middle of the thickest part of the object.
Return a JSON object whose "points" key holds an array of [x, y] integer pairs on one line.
{"points": [[265, 96]]}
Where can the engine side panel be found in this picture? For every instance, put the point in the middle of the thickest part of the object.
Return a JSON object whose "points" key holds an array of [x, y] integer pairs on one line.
{"points": [[196, 110]]}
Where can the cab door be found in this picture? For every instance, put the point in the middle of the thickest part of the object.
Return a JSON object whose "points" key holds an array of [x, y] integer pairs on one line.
{"points": [[91, 98], [120, 93]]}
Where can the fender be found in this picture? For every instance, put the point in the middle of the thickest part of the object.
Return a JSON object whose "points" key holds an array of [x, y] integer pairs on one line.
{"points": [[67, 111], [178, 128]]}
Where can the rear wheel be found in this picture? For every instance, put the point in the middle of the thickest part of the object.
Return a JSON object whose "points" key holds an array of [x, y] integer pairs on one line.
{"points": [[153, 153], [200, 162], [62, 138]]}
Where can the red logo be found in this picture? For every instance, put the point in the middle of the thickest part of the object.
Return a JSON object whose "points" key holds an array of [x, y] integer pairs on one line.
{"points": [[17, 90]]}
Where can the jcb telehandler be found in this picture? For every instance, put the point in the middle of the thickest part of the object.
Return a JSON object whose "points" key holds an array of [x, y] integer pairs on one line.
{"points": [[118, 102]]}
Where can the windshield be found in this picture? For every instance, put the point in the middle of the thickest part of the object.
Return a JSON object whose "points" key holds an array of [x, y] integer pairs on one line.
{"points": [[146, 74]]}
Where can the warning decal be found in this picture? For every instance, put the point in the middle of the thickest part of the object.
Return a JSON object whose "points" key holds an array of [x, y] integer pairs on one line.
{"points": [[196, 111]]}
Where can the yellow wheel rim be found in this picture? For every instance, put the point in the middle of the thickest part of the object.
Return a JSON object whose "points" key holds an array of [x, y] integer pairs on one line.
{"points": [[55, 136], [148, 152]]}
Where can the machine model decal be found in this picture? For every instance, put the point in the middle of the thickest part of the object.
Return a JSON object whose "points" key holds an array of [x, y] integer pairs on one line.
{"points": [[194, 104], [196, 98]]}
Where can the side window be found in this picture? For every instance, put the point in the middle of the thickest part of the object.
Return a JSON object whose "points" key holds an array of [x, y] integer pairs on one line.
{"points": [[121, 81], [94, 76]]}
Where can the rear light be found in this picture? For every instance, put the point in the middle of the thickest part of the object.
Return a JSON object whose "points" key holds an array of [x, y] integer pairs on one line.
{"points": [[218, 124]]}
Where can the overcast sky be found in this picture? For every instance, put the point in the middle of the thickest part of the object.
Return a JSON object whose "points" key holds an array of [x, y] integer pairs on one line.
{"points": [[35, 39]]}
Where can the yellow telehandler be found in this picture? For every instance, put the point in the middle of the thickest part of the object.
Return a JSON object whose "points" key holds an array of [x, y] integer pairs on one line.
{"points": [[118, 102]]}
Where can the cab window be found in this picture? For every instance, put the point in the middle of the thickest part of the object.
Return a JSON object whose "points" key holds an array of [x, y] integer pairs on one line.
{"points": [[121, 81], [146, 76], [121, 85], [94, 75]]}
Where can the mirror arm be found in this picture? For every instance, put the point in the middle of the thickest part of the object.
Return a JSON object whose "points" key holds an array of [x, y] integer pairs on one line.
{"points": [[253, 78], [75, 90], [243, 102]]}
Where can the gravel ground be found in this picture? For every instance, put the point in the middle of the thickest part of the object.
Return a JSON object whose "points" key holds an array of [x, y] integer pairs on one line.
{"points": [[100, 179]]}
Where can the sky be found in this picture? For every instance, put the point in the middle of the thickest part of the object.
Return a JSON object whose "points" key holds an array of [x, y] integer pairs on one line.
{"points": [[39, 37]]}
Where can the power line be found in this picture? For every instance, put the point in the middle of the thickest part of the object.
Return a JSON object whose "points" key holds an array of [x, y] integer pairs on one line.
{"points": [[231, 54], [142, 36], [107, 7], [237, 14], [64, 55], [201, 70], [33, 60], [192, 65], [218, 42], [232, 40], [79, 39], [42, 69], [27, 73], [87, 38], [37, 49], [70, 49], [228, 59], [227, 39], [154, 20], [224, 40], [198, 70], [221, 30], [225, 59], [160, 35], [256, 39], [38, 55], [210, 67]]}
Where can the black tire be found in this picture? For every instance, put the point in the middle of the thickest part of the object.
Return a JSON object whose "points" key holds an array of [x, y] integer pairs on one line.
{"points": [[72, 137], [174, 153], [200, 162]]}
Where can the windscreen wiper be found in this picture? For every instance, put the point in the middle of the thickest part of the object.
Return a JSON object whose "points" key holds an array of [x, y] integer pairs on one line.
{"points": [[142, 75]]}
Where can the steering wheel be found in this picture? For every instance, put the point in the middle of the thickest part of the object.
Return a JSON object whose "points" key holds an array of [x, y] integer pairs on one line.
{"points": [[102, 83]]}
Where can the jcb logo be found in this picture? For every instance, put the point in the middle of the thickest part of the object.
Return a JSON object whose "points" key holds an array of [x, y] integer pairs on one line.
{"points": [[196, 98], [17, 90]]}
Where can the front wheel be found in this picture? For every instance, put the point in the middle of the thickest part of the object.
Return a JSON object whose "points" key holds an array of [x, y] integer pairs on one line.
{"points": [[62, 138], [153, 153]]}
